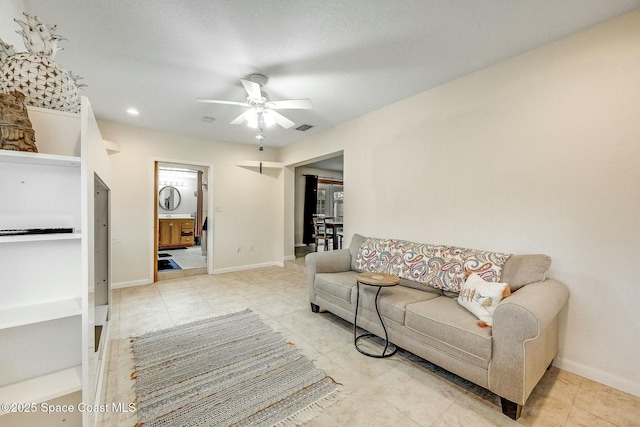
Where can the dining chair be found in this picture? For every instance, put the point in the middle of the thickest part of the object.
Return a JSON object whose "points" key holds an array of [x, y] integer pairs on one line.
{"points": [[320, 230], [340, 238]]}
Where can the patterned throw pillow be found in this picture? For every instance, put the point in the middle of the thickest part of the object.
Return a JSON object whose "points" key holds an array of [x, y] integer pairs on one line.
{"points": [[438, 266], [481, 298]]}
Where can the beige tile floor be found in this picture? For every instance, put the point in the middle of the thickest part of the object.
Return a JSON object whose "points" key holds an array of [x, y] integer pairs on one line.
{"points": [[400, 391]]}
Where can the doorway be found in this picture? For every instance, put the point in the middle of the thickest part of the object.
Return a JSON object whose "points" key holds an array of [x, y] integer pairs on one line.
{"points": [[182, 238], [327, 203]]}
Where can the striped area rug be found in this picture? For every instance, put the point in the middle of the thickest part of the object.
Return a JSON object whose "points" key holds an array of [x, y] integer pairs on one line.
{"points": [[227, 370]]}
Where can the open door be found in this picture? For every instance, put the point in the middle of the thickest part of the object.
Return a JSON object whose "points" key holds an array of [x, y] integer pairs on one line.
{"points": [[155, 222]]}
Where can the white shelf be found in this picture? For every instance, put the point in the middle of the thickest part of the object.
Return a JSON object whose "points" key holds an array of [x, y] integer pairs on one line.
{"points": [[53, 112], [39, 159], [256, 164], [43, 388], [40, 237], [27, 315]]}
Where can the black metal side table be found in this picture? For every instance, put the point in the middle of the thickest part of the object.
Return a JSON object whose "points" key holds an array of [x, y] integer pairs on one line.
{"points": [[381, 280]]}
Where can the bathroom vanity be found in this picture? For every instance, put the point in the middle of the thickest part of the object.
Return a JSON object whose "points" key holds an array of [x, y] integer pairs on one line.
{"points": [[175, 232]]}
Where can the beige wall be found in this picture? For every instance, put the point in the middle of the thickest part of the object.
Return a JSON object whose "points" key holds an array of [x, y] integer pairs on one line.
{"points": [[536, 154], [247, 229]]}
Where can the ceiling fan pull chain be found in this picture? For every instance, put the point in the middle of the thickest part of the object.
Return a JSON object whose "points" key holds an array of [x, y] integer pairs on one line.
{"points": [[261, 139]]}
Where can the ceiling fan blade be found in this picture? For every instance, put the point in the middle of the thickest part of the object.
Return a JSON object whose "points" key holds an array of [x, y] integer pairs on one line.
{"points": [[281, 120], [291, 104], [252, 88], [215, 101], [238, 120]]}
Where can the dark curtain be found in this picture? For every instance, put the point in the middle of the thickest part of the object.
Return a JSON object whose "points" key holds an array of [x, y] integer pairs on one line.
{"points": [[310, 204]]}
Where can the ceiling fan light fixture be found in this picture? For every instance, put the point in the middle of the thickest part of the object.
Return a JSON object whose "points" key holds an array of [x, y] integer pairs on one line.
{"points": [[268, 119], [252, 118]]}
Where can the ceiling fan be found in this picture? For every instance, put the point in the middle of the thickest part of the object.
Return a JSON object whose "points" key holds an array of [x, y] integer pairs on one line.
{"points": [[262, 111]]}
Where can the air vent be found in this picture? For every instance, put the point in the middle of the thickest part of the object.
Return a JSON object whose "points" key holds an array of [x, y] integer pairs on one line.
{"points": [[303, 128]]}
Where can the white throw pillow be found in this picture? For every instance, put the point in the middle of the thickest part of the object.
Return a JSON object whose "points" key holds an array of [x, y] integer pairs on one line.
{"points": [[481, 298]]}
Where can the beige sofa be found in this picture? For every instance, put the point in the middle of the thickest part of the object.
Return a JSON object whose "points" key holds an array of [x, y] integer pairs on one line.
{"points": [[422, 314]]}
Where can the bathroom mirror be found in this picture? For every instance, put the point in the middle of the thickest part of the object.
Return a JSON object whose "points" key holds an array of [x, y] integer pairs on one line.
{"points": [[169, 198]]}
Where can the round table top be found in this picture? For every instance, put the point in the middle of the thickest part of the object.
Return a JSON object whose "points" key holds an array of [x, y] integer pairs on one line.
{"points": [[377, 279]]}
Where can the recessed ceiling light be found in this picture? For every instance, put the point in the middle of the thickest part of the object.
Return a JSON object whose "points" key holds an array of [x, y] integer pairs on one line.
{"points": [[133, 112]]}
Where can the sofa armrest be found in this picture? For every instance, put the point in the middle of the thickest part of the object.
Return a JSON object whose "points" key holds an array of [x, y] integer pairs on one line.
{"points": [[525, 338], [328, 262], [325, 262]]}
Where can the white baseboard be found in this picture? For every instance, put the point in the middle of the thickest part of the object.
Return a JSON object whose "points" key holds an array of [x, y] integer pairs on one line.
{"points": [[290, 258], [141, 282], [599, 375], [129, 284], [248, 267]]}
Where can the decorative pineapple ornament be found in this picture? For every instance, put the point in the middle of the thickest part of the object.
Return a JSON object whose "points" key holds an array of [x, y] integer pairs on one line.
{"points": [[34, 73]]}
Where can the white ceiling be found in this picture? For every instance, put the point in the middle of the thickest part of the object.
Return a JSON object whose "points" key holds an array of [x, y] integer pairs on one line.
{"points": [[348, 57]]}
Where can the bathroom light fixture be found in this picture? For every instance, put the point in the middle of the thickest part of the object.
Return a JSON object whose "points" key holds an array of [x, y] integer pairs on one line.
{"points": [[133, 112]]}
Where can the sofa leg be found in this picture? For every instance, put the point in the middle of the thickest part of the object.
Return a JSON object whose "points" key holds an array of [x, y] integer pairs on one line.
{"points": [[315, 308], [510, 409]]}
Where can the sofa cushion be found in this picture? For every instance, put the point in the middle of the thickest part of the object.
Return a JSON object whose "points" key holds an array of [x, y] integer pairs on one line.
{"points": [[392, 302], [337, 284], [443, 320], [481, 297], [442, 267], [420, 286], [520, 270]]}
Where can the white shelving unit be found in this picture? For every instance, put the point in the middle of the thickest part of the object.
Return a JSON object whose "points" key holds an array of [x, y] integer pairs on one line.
{"points": [[44, 387], [36, 313], [39, 237], [47, 313], [40, 159], [41, 287]]}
